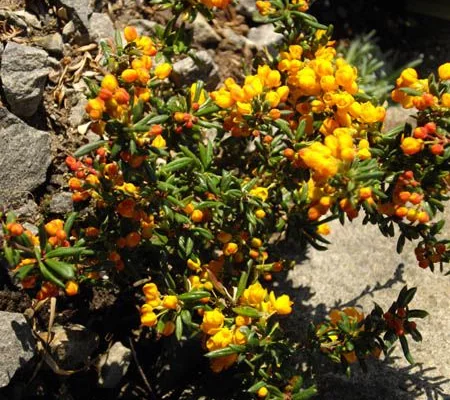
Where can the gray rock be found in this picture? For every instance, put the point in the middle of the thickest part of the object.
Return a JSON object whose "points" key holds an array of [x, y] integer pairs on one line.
{"points": [[79, 11], [61, 203], [71, 346], [233, 41], [188, 71], [100, 27], [29, 19], [68, 30], [52, 43], [26, 155], [28, 210], [265, 36], [361, 267], [203, 32], [246, 7], [77, 112], [397, 115], [23, 73], [113, 365], [143, 26], [17, 346]]}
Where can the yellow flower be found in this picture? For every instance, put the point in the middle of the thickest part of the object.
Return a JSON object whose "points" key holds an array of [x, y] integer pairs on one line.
{"points": [[254, 295], [260, 213], [170, 302], [221, 363], [407, 77], [244, 108], [222, 98], [162, 71], [282, 304], [445, 100], [444, 71], [260, 192], [202, 96], [212, 321], [150, 290], [239, 337], [110, 82], [272, 98], [194, 265], [221, 339], [230, 248], [323, 229], [159, 142], [149, 319], [411, 145], [262, 392]]}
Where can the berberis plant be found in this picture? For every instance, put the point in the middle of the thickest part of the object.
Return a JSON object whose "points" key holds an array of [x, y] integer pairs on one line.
{"points": [[185, 191]]}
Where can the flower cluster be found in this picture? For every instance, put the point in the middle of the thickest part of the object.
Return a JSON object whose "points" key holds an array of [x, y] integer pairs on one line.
{"points": [[297, 143]]}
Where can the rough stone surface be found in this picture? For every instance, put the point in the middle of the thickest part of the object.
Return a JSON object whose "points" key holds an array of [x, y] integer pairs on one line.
{"points": [[68, 30], [25, 156], [17, 344], [52, 43], [232, 40], [23, 73], [361, 266], [203, 32], [71, 346], [29, 19], [79, 10], [61, 203], [264, 36], [101, 27], [77, 112], [113, 365], [188, 71], [397, 115], [246, 7]]}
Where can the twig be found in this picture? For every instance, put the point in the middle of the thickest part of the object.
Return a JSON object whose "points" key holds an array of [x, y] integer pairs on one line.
{"points": [[141, 371]]}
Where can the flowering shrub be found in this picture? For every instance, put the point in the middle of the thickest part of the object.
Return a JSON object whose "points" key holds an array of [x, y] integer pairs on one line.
{"points": [[192, 215]]}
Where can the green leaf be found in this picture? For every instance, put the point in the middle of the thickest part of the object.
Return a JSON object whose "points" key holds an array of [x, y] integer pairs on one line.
{"points": [[138, 109], [405, 348], [400, 243], [87, 148], [206, 110], [69, 252], [178, 327], [256, 387], [417, 314], [305, 394], [410, 92], [248, 312], [409, 296], [177, 164], [194, 295], [48, 275], [151, 120], [203, 232], [24, 271], [63, 269], [242, 284], [189, 153], [69, 222], [225, 352]]}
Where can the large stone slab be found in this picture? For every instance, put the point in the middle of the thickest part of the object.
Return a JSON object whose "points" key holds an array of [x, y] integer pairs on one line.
{"points": [[23, 73], [362, 267], [17, 344], [25, 157]]}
